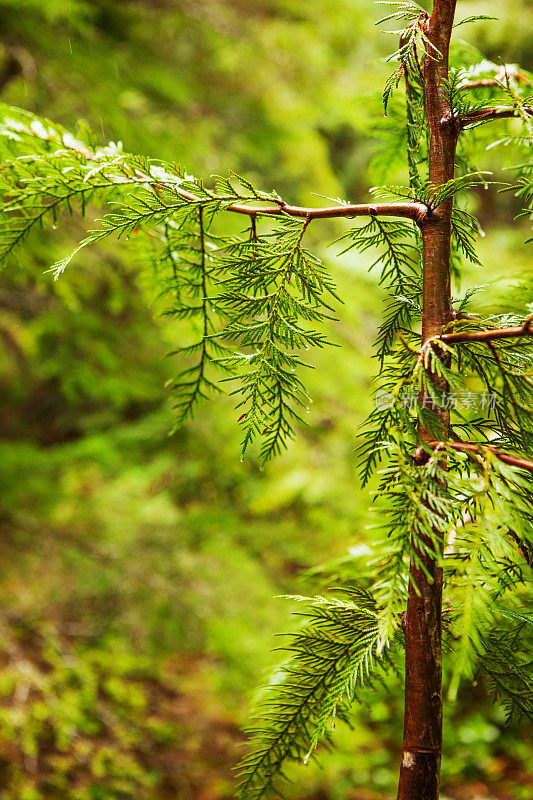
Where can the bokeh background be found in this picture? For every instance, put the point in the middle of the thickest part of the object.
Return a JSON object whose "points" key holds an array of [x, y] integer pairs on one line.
{"points": [[140, 572]]}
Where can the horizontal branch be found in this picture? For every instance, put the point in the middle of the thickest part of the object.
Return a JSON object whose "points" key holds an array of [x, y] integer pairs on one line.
{"points": [[462, 337], [421, 455], [490, 113], [472, 447], [408, 210], [526, 329]]}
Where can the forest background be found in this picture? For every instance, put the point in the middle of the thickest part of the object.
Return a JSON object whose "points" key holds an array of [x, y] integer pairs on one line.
{"points": [[141, 571]]}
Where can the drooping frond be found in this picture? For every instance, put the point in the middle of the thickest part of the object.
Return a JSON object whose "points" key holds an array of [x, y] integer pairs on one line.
{"points": [[398, 258], [184, 266], [506, 660], [405, 395], [414, 44], [395, 242], [484, 561], [415, 511], [253, 301], [330, 656], [272, 295], [465, 227], [401, 311]]}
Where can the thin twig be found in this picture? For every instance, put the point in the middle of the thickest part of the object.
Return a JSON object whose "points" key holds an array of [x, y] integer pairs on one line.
{"points": [[492, 112], [461, 337], [408, 210], [472, 447], [458, 337]]}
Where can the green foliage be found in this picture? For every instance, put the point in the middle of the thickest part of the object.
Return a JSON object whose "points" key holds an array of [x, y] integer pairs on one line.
{"points": [[415, 514], [249, 303], [331, 654], [269, 286], [399, 262], [483, 559], [506, 661], [87, 712], [464, 230], [287, 284], [414, 45]]}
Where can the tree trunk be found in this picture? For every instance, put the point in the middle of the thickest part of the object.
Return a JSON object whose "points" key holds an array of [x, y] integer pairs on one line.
{"points": [[422, 739]]}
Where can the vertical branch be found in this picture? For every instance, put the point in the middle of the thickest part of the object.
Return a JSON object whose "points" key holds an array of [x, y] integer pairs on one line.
{"points": [[422, 740]]}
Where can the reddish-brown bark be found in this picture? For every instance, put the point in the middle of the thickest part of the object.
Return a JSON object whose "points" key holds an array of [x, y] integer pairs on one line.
{"points": [[458, 337], [422, 739], [493, 112], [474, 447]]}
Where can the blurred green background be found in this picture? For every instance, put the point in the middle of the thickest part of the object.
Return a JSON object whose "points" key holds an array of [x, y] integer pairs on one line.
{"points": [[140, 572]]}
